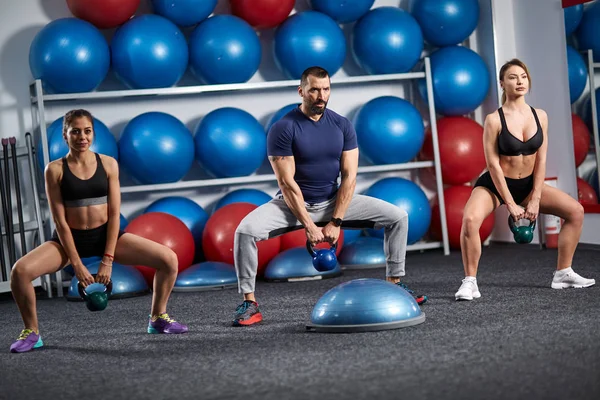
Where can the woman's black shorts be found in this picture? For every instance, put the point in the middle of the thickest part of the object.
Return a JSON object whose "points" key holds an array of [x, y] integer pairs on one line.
{"points": [[518, 188], [88, 242]]}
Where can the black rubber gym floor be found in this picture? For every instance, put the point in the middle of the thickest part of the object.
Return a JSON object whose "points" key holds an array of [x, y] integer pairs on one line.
{"points": [[521, 340]]}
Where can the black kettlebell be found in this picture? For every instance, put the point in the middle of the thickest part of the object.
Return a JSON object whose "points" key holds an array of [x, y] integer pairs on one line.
{"points": [[323, 259], [522, 234], [95, 301]]}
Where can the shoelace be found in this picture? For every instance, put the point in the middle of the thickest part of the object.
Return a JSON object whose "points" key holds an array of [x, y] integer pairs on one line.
{"points": [[243, 307], [25, 333], [403, 286], [166, 317]]}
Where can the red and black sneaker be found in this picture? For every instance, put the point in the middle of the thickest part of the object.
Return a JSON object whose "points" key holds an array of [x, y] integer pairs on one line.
{"points": [[421, 299], [247, 313]]}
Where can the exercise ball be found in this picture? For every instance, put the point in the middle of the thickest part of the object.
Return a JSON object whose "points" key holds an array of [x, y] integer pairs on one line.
{"points": [[126, 280], [588, 31], [219, 232], [593, 181], [280, 114], [184, 12], [252, 196], [297, 238], [149, 51], [156, 147], [123, 222], [363, 253], [407, 196], [460, 80], [307, 39], [104, 13], [224, 49], [363, 305], [387, 40], [69, 55], [585, 110], [572, 16], [446, 22], [351, 235], [343, 11], [389, 130], [230, 142], [578, 73], [208, 275], [460, 142], [455, 199], [586, 193], [296, 264], [167, 230], [103, 142], [262, 14], [187, 211], [581, 139]]}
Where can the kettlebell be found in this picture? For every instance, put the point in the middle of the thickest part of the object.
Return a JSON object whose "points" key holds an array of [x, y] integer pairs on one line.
{"points": [[522, 234], [323, 259], [95, 301]]}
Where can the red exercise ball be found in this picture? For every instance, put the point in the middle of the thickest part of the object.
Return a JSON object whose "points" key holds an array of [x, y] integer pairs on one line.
{"points": [[167, 230], [262, 14], [297, 238], [104, 13], [219, 231], [586, 193], [455, 199], [581, 139], [461, 149]]}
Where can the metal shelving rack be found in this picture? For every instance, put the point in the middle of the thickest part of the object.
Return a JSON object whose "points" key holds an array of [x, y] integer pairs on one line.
{"points": [[39, 99]]}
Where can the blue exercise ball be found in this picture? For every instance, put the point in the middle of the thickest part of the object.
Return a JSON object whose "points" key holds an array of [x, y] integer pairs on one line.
{"points": [[208, 275], [351, 235], [230, 142], [123, 222], [364, 252], [446, 22], [296, 263], [104, 142], [127, 282], [342, 11], [156, 147], [224, 49], [184, 12], [280, 114], [188, 211], [408, 196], [363, 305], [578, 73], [461, 80], [85, 261], [308, 39], [252, 196], [588, 31], [149, 51], [573, 16], [387, 40], [69, 55], [389, 130]]}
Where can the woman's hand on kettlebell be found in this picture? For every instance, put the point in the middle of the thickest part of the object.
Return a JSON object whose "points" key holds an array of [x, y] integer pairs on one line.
{"points": [[83, 276], [104, 271], [516, 211], [532, 210]]}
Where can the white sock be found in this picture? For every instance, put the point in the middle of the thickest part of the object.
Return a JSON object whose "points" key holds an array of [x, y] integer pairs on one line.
{"points": [[562, 272], [471, 279]]}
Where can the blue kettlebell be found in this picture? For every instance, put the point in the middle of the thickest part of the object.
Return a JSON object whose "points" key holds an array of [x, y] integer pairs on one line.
{"points": [[522, 234], [95, 301], [323, 259]]}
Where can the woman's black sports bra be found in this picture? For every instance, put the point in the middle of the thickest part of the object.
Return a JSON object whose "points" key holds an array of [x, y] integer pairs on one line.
{"points": [[509, 145]]}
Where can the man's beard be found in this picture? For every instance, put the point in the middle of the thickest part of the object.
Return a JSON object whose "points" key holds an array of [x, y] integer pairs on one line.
{"points": [[317, 110]]}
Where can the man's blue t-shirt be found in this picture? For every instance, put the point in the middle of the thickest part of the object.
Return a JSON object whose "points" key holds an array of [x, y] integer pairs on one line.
{"points": [[317, 148]]}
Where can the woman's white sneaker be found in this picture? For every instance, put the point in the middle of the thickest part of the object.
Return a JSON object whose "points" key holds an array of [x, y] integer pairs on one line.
{"points": [[468, 290], [567, 278]]}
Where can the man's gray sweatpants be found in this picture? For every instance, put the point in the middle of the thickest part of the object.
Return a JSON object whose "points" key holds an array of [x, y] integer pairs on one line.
{"points": [[275, 218]]}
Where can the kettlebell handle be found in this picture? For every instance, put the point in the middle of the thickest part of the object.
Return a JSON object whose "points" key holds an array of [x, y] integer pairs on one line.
{"points": [[83, 292], [313, 252], [513, 226]]}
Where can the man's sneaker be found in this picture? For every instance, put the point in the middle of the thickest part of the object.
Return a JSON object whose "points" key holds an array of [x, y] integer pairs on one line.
{"points": [[27, 341], [468, 290], [247, 313], [421, 299], [570, 279], [165, 324]]}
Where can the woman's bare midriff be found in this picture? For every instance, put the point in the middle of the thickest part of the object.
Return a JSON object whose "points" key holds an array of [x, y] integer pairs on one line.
{"points": [[89, 217], [517, 167]]}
